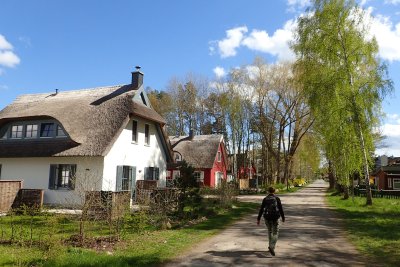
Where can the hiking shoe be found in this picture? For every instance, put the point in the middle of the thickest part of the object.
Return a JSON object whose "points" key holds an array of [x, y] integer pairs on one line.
{"points": [[272, 251]]}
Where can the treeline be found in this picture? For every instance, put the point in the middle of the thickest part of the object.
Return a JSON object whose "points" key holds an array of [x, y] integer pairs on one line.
{"points": [[259, 108]]}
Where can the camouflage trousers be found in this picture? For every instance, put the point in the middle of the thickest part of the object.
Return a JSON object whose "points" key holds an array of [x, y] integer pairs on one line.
{"points": [[273, 232]]}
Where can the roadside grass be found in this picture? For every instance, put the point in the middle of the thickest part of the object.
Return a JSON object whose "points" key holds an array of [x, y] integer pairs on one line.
{"points": [[149, 248], [375, 230]]}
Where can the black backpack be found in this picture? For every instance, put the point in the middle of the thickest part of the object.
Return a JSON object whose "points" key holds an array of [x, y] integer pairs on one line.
{"points": [[271, 210]]}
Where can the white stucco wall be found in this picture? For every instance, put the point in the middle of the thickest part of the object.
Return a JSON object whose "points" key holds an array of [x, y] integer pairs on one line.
{"points": [[139, 155], [35, 175]]}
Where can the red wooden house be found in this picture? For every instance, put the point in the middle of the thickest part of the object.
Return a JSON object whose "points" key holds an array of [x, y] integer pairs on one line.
{"points": [[388, 177], [205, 153]]}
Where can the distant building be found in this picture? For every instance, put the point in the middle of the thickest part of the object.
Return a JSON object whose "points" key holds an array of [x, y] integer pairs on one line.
{"points": [[205, 153]]}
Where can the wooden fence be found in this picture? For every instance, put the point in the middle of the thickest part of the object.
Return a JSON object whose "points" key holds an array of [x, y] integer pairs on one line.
{"points": [[8, 192], [378, 193]]}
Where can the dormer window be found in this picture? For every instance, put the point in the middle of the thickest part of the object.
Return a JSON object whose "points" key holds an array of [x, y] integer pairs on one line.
{"points": [[47, 130], [28, 130], [178, 157], [16, 131]]}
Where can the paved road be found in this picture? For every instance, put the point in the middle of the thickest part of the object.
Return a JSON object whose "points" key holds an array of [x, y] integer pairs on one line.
{"points": [[311, 236]]}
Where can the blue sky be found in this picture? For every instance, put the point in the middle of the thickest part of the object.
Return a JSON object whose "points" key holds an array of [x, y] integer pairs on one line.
{"points": [[73, 44]]}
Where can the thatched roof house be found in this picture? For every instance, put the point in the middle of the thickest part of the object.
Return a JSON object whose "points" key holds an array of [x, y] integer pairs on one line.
{"points": [[206, 153], [104, 138], [92, 118]]}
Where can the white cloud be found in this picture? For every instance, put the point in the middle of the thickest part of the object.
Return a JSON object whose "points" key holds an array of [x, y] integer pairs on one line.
{"points": [[391, 131], [297, 5], [219, 72], [276, 44], [386, 33], [258, 40], [4, 44], [7, 57], [227, 47]]}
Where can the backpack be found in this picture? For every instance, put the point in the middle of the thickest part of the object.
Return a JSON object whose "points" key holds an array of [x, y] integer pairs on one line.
{"points": [[271, 210]]}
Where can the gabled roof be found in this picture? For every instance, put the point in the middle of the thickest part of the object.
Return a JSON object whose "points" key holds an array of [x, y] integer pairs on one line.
{"points": [[200, 151], [93, 118]]}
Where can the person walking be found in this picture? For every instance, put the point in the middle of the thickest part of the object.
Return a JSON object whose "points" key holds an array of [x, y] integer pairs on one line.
{"points": [[271, 209]]}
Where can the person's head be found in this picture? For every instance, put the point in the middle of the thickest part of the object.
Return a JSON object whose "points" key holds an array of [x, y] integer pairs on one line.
{"points": [[271, 190]]}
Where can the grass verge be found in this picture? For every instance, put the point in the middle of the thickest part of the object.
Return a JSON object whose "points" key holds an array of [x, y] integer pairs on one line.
{"points": [[147, 249], [375, 230]]}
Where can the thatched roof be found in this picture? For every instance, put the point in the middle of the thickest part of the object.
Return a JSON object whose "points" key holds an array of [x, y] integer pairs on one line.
{"points": [[200, 151], [93, 118]]}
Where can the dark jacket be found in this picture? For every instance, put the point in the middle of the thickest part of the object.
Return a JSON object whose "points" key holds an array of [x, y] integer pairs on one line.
{"points": [[264, 203]]}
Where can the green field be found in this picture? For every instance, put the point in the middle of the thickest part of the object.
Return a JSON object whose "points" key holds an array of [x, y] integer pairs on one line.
{"points": [[375, 230], [40, 240]]}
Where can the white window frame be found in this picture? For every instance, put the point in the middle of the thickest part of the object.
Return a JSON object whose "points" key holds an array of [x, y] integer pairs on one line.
{"points": [[390, 184], [396, 181]]}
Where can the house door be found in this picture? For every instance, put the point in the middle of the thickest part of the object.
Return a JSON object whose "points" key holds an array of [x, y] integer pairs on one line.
{"points": [[126, 179]]}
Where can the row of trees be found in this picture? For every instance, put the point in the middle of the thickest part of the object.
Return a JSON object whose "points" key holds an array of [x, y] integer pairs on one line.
{"points": [[261, 110], [285, 114]]}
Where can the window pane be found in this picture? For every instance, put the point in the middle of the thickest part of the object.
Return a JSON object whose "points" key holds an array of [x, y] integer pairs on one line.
{"points": [[47, 130], [134, 131], [396, 183], [16, 131], [31, 131], [146, 134], [60, 131]]}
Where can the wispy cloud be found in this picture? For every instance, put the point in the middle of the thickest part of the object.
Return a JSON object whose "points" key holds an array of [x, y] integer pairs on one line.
{"points": [[227, 47], [295, 6], [7, 56], [393, 2]]}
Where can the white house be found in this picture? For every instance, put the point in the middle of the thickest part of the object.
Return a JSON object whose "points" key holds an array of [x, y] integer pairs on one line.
{"points": [[69, 142]]}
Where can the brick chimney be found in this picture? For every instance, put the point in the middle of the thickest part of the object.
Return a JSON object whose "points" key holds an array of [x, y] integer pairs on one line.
{"points": [[137, 77]]}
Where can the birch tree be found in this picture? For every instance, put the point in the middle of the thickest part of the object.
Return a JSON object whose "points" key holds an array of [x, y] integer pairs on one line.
{"points": [[343, 78]]}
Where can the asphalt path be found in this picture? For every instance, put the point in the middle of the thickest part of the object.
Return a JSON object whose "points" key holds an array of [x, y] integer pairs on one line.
{"points": [[312, 235]]}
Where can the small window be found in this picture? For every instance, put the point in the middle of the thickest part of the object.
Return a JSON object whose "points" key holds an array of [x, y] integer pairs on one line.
{"points": [[47, 130], [396, 183], [390, 183], [62, 176], [16, 131], [199, 176], [3, 132], [219, 156], [147, 134], [152, 173], [31, 131], [0, 171], [60, 131], [178, 157], [176, 174], [134, 131]]}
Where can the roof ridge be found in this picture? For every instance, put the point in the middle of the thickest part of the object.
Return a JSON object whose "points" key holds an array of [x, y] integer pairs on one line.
{"points": [[72, 91]]}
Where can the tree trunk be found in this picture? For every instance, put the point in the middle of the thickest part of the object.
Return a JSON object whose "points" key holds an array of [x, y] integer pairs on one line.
{"points": [[368, 192], [331, 176], [345, 192]]}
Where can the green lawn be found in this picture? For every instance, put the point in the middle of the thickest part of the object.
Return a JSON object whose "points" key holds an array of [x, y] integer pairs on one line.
{"points": [[375, 230], [149, 248]]}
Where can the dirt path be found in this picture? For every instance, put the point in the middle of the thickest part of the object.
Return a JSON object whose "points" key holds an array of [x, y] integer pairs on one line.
{"points": [[311, 236]]}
